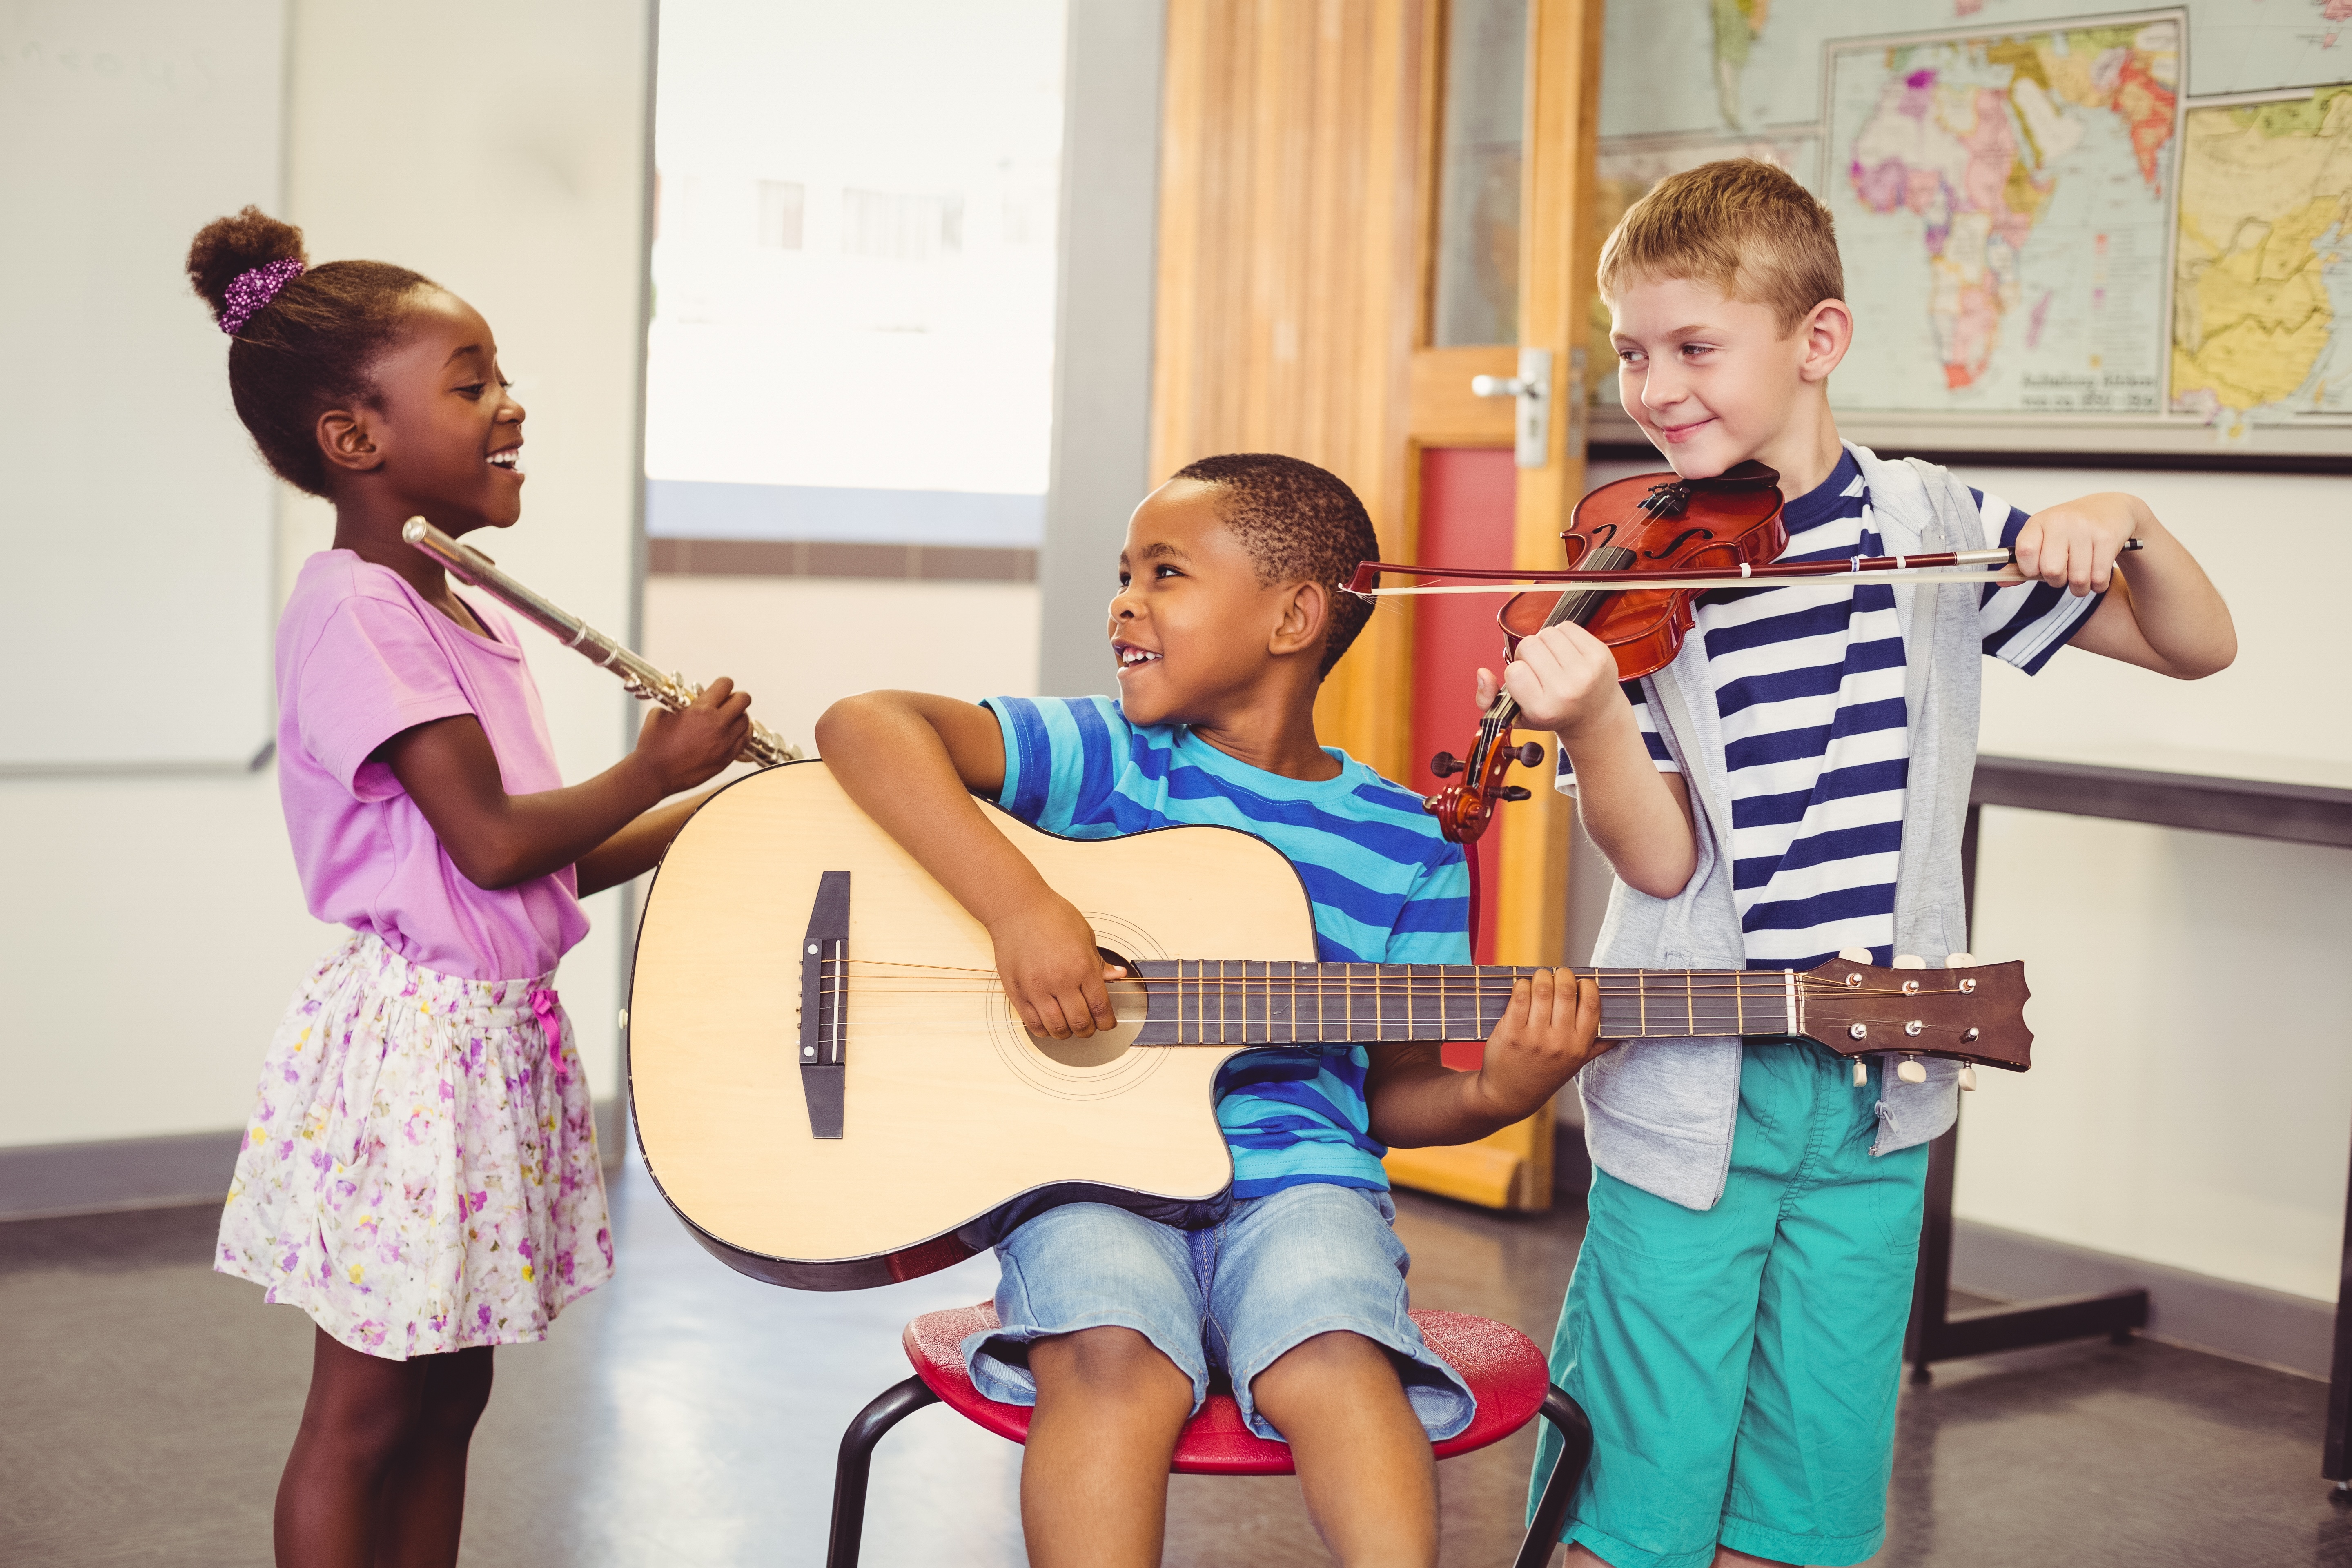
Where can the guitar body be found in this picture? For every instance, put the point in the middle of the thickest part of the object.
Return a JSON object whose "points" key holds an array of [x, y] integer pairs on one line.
{"points": [[955, 1121]]}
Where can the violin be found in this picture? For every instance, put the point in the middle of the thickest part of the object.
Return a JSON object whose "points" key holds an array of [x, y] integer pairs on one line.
{"points": [[1648, 524], [1640, 552]]}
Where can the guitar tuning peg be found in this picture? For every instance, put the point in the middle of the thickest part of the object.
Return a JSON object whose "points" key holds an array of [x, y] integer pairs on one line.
{"points": [[1855, 954], [1911, 1069], [1861, 1073], [1961, 960], [1968, 1074], [1909, 960]]}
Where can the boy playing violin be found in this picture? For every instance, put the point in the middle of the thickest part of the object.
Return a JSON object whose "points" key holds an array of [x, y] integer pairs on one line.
{"points": [[1791, 787], [1227, 618]]}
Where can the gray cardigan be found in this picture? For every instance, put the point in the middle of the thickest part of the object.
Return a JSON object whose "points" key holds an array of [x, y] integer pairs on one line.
{"points": [[1659, 1114]]}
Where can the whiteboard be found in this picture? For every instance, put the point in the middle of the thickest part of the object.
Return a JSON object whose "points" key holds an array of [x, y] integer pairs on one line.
{"points": [[137, 593]]}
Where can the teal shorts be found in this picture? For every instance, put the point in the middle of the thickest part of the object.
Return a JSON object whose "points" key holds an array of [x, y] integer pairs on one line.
{"points": [[1740, 1364]]}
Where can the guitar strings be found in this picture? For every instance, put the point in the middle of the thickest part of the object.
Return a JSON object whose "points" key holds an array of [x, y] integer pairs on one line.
{"points": [[1653, 983]]}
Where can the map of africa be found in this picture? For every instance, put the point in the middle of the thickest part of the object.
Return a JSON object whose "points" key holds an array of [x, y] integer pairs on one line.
{"points": [[2006, 194]]}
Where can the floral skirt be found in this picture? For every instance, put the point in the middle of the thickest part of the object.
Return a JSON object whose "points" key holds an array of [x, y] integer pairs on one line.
{"points": [[420, 1174]]}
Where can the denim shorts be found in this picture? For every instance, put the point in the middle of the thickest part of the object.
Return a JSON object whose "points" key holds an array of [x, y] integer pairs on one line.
{"points": [[1233, 1297]]}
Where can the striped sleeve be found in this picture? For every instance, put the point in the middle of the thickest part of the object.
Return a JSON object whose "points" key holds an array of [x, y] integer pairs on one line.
{"points": [[1434, 927], [1061, 760], [2025, 625], [1564, 780]]}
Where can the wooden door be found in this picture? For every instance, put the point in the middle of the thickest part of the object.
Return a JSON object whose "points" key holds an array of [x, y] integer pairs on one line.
{"points": [[1310, 235]]}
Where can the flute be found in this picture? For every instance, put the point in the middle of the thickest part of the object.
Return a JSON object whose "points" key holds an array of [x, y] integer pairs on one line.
{"points": [[639, 678]]}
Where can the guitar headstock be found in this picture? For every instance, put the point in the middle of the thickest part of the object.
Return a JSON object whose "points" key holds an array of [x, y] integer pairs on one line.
{"points": [[1966, 1011]]}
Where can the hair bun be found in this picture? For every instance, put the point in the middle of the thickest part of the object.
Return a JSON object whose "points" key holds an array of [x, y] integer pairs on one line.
{"points": [[228, 247]]}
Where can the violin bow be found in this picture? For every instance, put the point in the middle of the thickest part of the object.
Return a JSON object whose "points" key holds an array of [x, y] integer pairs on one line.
{"points": [[1945, 566]]}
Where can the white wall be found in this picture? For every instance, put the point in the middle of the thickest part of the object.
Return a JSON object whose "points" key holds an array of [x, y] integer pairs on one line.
{"points": [[797, 643], [2192, 1102], [155, 928]]}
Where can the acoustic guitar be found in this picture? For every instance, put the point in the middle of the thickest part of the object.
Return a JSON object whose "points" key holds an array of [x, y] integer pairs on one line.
{"points": [[833, 1092]]}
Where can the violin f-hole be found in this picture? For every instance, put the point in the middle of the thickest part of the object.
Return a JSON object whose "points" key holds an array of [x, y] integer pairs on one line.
{"points": [[1678, 541]]}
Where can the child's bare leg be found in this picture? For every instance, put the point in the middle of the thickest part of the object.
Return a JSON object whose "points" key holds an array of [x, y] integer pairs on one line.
{"points": [[359, 1412], [1363, 1460], [1094, 1483], [423, 1507]]}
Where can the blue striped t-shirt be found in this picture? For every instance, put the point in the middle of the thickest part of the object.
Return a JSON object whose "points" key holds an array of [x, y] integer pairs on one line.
{"points": [[1385, 886], [1809, 695]]}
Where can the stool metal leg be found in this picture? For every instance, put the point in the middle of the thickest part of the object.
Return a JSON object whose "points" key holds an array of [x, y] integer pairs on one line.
{"points": [[1551, 1509], [849, 1477]]}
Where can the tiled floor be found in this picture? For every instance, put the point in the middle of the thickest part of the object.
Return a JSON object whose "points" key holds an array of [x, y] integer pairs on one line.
{"points": [[687, 1416]]}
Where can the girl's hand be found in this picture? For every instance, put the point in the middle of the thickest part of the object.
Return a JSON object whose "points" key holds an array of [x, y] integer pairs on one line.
{"points": [[1053, 973], [1562, 677], [2073, 544], [682, 750], [1549, 1031]]}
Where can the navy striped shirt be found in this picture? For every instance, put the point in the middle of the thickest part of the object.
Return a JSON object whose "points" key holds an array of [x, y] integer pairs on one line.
{"points": [[1385, 885], [1809, 694]]}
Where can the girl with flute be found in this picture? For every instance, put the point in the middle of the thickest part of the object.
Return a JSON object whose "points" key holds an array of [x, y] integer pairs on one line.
{"points": [[420, 1174]]}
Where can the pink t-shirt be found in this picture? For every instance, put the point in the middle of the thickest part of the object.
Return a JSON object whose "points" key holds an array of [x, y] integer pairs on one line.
{"points": [[360, 658]]}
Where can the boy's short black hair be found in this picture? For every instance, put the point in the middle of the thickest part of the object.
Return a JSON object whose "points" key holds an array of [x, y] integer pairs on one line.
{"points": [[1299, 523]]}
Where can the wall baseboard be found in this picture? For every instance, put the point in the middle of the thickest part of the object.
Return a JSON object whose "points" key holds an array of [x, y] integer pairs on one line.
{"points": [[42, 1181], [2247, 1322]]}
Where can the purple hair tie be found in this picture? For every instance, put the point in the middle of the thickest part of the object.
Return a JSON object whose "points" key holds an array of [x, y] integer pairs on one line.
{"points": [[253, 287]]}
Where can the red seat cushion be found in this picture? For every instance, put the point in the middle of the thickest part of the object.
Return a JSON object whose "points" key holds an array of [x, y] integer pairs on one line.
{"points": [[1505, 1372]]}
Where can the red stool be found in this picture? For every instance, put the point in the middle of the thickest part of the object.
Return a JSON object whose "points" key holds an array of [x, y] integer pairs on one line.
{"points": [[1505, 1372]]}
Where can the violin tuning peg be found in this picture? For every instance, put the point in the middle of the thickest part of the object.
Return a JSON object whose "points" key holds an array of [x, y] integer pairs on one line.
{"points": [[1531, 754], [1861, 1073], [1911, 1069], [1855, 954], [1909, 960], [1446, 765], [1961, 960], [1516, 792], [1968, 1074]]}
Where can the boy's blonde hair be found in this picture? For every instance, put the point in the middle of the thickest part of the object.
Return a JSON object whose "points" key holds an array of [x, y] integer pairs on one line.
{"points": [[1740, 226]]}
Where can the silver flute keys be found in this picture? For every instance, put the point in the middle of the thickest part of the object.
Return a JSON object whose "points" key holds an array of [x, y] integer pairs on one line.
{"points": [[640, 679]]}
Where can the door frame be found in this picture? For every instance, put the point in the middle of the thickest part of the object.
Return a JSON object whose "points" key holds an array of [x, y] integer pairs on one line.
{"points": [[1559, 253]]}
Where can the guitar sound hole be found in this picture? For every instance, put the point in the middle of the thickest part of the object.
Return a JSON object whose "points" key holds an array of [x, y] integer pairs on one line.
{"points": [[1127, 1000]]}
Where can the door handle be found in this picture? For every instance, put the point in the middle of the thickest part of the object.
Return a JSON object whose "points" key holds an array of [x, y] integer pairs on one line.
{"points": [[1504, 386], [1531, 390]]}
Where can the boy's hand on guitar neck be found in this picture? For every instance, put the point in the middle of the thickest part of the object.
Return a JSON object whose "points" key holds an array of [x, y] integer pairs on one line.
{"points": [[1547, 1033], [1549, 1029], [1053, 975]]}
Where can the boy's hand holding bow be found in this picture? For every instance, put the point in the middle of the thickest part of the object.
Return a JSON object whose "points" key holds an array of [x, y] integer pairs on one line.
{"points": [[2073, 545], [2160, 612]]}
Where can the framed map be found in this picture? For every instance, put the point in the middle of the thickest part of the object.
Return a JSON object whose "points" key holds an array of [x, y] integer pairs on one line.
{"points": [[2123, 231]]}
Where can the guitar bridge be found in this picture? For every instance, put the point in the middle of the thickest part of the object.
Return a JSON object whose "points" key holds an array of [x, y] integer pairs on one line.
{"points": [[824, 1004]]}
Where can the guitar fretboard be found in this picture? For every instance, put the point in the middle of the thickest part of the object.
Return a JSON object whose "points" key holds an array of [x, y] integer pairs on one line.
{"points": [[1208, 1002]]}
